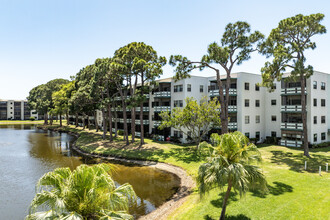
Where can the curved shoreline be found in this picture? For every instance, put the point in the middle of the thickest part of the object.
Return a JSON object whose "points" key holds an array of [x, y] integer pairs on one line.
{"points": [[162, 212]]}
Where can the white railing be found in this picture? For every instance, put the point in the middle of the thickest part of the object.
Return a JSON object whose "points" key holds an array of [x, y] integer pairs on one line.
{"points": [[157, 123], [121, 120], [145, 122], [291, 91], [216, 92], [232, 125], [162, 108], [145, 109], [292, 126], [291, 108], [232, 108], [138, 134], [163, 94], [290, 143]]}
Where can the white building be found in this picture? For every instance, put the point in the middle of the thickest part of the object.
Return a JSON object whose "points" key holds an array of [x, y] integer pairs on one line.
{"points": [[252, 109], [15, 110]]}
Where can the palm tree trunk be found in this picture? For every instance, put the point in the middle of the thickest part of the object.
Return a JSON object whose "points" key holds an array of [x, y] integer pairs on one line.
{"points": [[225, 199], [304, 115], [224, 120]]}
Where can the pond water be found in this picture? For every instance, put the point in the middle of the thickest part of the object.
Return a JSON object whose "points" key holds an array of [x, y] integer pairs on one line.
{"points": [[26, 153]]}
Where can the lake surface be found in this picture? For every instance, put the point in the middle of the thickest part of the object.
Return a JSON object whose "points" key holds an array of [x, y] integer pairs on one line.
{"points": [[27, 153]]}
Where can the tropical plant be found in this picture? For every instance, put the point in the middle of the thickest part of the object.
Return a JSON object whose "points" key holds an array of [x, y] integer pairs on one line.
{"points": [[230, 162], [85, 193]]}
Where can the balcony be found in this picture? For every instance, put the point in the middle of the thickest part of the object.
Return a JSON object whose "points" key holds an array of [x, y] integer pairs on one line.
{"points": [[232, 92], [145, 109], [145, 122], [138, 134], [121, 120], [232, 126], [292, 91], [291, 126], [157, 123], [291, 108], [290, 143], [162, 108], [163, 94]]}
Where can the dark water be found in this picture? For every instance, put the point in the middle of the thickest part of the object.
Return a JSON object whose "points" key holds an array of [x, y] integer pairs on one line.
{"points": [[26, 153]]}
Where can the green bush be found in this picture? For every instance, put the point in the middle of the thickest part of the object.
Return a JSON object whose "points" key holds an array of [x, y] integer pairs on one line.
{"points": [[324, 144], [120, 132], [32, 118]]}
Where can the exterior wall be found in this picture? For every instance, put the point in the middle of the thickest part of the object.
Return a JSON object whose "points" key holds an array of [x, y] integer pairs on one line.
{"points": [[21, 109]]}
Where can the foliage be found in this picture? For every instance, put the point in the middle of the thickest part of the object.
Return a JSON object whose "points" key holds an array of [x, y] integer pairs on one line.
{"points": [[85, 193], [32, 118], [194, 120], [230, 162]]}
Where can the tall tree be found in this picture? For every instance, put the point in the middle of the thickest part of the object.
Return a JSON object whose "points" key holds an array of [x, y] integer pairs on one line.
{"points": [[194, 120], [287, 45], [237, 44], [230, 162]]}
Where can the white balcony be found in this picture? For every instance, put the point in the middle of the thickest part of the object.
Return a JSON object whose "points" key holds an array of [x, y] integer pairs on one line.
{"points": [[290, 143], [232, 125], [232, 92], [291, 108], [145, 122], [157, 123], [292, 126], [163, 94], [162, 108], [145, 109], [121, 120], [291, 91]]}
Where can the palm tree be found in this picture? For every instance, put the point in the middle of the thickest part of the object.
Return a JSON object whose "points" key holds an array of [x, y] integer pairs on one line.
{"points": [[86, 193], [229, 162]]}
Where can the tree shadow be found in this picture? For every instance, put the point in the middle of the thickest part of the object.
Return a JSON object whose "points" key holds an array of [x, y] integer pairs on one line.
{"points": [[296, 162], [218, 202], [278, 189], [230, 217]]}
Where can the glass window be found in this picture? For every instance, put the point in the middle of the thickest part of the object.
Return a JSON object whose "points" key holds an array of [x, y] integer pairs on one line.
{"points": [[273, 134], [273, 117], [323, 85], [188, 87], [247, 102], [322, 102], [274, 86], [315, 102], [247, 134], [257, 103], [258, 135], [273, 102], [315, 120], [178, 88], [315, 137], [257, 119], [322, 119], [247, 119], [247, 86], [257, 87], [201, 88], [314, 85], [178, 103], [323, 136]]}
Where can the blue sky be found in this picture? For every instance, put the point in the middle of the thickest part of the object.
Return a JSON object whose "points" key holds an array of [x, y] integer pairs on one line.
{"points": [[43, 40]]}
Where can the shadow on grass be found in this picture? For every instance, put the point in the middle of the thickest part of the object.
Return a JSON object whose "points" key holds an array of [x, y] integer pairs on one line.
{"points": [[230, 217], [296, 162], [278, 189]]}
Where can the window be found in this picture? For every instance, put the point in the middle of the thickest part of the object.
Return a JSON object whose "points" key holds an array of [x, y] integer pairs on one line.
{"points": [[322, 85], [247, 102], [273, 117], [258, 135], [274, 86], [314, 85], [273, 102], [178, 103], [315, 137], [322, 119], [323, 136], [315, 120], [273, 134], [188, 87], [315, 102], [178, 88], [247, 86], [257, 103], [201, 88], [247, 119], [178, 134], [247, 134], [257, 119], [257, 87], [322, 102]]}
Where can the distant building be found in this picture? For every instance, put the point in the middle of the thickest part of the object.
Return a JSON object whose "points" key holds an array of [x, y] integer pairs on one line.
{"points": [[16, 110]]}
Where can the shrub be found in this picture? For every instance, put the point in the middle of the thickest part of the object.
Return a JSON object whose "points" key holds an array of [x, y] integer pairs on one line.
{"points": [[32, 118]]}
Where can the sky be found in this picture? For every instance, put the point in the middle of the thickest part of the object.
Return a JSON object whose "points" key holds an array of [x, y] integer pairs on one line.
{"points": [[43, 40]]}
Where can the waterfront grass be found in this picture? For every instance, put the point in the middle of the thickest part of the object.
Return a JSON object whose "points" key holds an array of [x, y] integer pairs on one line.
{"points": [[294, 193], [15, 122]]}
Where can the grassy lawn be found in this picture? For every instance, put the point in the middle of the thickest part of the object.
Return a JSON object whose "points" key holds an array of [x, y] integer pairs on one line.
{"points": [[14, 122], [293, 192]]}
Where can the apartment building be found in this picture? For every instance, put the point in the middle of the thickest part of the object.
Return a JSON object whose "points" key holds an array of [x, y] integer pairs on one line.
{"points": [[253, 110], [15, 110]]}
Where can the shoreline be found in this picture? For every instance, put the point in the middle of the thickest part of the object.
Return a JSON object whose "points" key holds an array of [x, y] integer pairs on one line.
{"points": [[162, 212]]}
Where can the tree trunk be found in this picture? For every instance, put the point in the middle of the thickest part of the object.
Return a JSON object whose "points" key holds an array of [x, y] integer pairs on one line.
{"points": [[83, 121], [116, 123], [88, 123], [110, 122], [142, 127], [51, 120], [46, 119], [123, 101], [225, 199], [133, 112], [95, 122], [60, 120], [104, 124], [224, 120], [304, 115], [76, 119], [67, 118]]}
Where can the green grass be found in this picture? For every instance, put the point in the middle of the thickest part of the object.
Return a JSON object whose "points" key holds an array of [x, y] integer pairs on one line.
{"points": [[293, 192], [14, 122]]}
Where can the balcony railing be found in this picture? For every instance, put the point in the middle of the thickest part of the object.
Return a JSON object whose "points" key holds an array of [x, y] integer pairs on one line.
{"points": [[290, 143], [162, 108], [232, 125], [145, 122], [292, 126], [232, 92], [121, 120], [163, 94], [145, 109], [291, 108], [138, 134], [157, 123], [291, 91]]}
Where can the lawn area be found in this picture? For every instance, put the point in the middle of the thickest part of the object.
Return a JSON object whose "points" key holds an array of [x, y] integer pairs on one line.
{"points": [[293, 192], [14, 122]]}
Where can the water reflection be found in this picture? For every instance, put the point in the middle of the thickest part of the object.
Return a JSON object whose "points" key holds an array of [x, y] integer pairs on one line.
{"points": [[26, 153]]}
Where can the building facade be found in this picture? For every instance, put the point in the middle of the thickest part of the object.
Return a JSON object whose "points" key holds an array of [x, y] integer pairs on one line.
{"points": [[16, 110], [253, 110]]}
